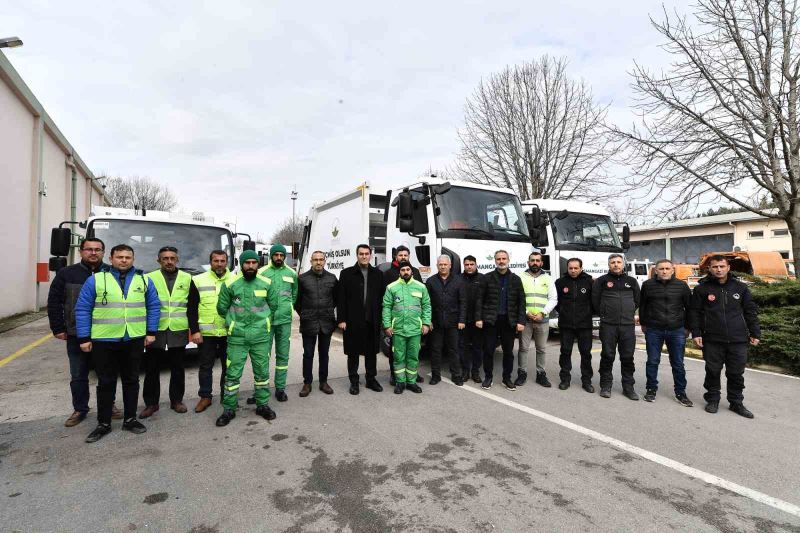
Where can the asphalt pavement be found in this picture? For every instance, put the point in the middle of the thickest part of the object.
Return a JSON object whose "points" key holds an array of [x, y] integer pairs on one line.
{"points": [[449, 459]]}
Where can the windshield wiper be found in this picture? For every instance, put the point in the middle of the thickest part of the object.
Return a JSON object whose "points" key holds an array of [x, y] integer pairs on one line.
{"points": [[512, 230], [477, 230]]}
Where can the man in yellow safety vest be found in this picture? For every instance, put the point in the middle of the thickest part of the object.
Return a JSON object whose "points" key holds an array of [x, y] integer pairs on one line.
{"points": [[540, 299]]}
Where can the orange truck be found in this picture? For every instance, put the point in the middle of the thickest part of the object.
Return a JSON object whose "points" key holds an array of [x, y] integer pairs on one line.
{"points": [[769, 266]]}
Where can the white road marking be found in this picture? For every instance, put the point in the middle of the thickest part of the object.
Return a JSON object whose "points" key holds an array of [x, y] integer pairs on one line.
{"points": [[711, 479]]}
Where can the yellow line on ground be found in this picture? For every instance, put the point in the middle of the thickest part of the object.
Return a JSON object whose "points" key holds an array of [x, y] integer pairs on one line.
{"points": [[22, 351]]}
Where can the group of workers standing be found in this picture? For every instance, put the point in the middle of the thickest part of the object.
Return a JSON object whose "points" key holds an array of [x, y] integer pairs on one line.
{"points": [[124, 318]]}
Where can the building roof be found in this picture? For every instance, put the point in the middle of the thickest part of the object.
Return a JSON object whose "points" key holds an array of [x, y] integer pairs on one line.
{"points": [[701, 221], [573, 206]]}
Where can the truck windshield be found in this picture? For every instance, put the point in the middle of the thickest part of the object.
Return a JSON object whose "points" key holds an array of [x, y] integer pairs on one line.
{"points": [[466, 213], [194, 242], [585, 231]]}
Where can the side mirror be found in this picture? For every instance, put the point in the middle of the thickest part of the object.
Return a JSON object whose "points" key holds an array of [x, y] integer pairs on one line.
{"points": [[441, 189], [423, 255], [56, 263], [60, 241], [534, 218], [295, 251], [626, 234], [405, 212], [249, 245], [536, 234]]}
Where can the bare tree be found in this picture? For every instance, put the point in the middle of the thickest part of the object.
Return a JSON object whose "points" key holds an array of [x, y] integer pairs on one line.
{"points": [[721, 124], [288, 232], [138, 193], [533, 129]]}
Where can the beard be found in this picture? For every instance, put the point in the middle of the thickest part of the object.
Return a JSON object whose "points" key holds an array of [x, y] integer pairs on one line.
{"points": [[535, 269], [249, 275]]}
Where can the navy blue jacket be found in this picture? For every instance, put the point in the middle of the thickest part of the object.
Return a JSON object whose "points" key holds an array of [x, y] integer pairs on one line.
{"points": [[64, 291], [723, 312]]}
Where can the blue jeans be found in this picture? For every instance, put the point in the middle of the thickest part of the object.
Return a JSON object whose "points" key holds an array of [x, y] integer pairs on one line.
{"points": [[675, 339], [79, 375]]}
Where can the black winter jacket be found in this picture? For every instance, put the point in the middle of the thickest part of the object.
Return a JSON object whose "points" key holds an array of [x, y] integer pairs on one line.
{"points": [[316, 302], [723, 312], [491, 299], [615, 298], [475, 287], [448, 301], [64, 293], [574, 301], [665, 304]]}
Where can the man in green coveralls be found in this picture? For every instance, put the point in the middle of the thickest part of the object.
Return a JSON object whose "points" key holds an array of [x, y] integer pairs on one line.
{"points": [[406, 318], [244, 302], [282, 300]]}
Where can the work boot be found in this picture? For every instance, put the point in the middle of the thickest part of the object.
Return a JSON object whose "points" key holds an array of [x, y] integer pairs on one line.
{"points": [[588, 388], [413, 387], [178, 407], [306, 390], [487, 383], [712, 407], [564, 385], [116, 414], [265, 411], [202, 405], [399, 388], [372, 384], [605, 393], [392, 380], [509, 384], [225, 418], [541, 379], [74, 419], [134, 426], [148, 411], [324, 387], [458, 380], [98, 433], [683, 400], [252, 400], [420, 379], [741, 410], [280, 395], [522, 377], [476, 376], [630, 394], [650, 395], [435, 378], [354, 389]]}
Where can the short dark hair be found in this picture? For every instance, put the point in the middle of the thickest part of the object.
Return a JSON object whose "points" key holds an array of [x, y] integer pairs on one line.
{"points": [[318, 252], [167, 249], [401, 248], [718, 257], [122, 248], [93, 239], [665, 260], [575, 260], [217, 252], [613, 256], [470, 258], [535, 252], [360, 246]]}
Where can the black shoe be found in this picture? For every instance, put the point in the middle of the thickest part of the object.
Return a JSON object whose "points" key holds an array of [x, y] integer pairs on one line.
{"points": [[541, 379], [250, 401], [399, 388], [458, 381], [392, 380], [266, 412], [683, 400], [588, 388], [631, 394], [420, 379], [741, 410], [605, 393], [522, 377], [509, 384], [712, 407], [372, 384], [225, 418], [413, 387], [564, 385], [280, 395], [134, 426], [435, 378], [354, 389], [98, 433], [487, 383], [650, 395], [476, 376]]}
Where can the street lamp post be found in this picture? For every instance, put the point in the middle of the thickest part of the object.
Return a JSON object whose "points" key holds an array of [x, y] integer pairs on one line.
{"points": [[10, 42], [294, 200]]}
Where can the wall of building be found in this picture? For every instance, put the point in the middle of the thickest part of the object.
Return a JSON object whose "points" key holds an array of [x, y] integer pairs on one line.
{"points": [[745, 236]]}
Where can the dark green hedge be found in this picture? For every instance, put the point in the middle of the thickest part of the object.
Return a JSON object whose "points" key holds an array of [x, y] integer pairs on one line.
{"points": [[779, 315]]}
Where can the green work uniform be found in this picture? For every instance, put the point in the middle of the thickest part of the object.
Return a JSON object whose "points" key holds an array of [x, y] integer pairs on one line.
{"points": [[244, 304], [406, 308], [282, 300]]}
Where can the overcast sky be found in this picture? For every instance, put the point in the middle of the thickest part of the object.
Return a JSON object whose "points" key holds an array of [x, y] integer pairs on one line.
{"points": [[233, 103]]}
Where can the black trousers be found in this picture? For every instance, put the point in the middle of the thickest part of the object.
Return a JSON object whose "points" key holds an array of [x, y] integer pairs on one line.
{"points": [[370, 365], [309, 342], [568, 338], [113, 359], [470, 349], [444, 339], [613, 338], [153, 358], [211, 349], [502, 331], [734, 357]]}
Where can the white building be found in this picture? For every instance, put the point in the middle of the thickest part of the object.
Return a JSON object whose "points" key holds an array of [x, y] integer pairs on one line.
{"points": [[44, 181], [684, 241]]}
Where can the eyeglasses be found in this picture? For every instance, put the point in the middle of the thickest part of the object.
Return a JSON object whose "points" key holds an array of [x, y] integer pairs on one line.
{"points": [[92, 250]]}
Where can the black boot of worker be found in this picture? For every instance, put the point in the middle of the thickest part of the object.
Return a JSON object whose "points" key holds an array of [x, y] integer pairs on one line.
{"points": [[225, 418]]}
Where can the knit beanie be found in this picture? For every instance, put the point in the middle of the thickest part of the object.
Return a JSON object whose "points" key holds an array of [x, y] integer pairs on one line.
{"points": [[279, 248], [247, 255]]}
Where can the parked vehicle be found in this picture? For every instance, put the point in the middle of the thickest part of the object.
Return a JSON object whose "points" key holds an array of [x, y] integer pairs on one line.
{"points": [[769, 266]]}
